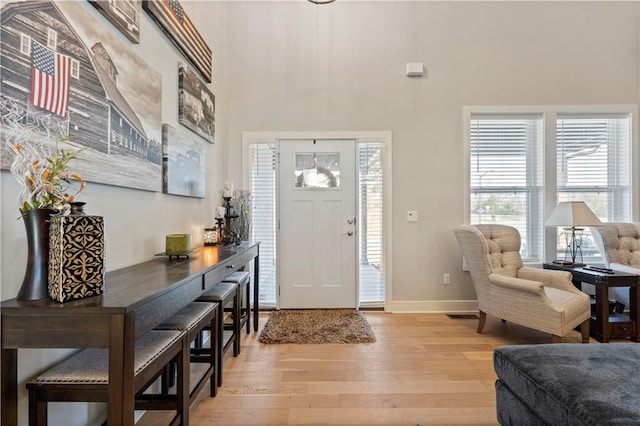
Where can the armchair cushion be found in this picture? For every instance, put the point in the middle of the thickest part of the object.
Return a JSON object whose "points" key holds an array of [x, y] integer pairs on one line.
{"points": [[619, 243]]}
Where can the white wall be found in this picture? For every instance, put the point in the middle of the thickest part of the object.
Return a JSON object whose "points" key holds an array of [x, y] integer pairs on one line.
{"points": [[294, 66]]}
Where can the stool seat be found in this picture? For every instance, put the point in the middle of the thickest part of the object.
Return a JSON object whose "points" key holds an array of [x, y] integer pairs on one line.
{"points": [[189, 317], [237, 277], [218, 292], [194, 318], [92, 365], [84, 377]]}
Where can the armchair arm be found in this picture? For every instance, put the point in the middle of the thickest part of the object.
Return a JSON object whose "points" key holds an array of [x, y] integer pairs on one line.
{"points": [[517, 284], [548, 277]]}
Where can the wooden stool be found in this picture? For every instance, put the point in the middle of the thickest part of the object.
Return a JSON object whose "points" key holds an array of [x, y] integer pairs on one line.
{"points": [[223, 294], [84, 377], [193, 319], [242, 279]]}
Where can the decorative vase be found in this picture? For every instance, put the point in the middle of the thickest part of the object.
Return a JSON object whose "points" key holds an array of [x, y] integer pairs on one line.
{"points": [[34, 286], [77, 207], [76, 255]]}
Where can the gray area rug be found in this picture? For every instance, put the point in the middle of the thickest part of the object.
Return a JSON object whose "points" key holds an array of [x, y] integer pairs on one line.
{"points": [[317, 326]]}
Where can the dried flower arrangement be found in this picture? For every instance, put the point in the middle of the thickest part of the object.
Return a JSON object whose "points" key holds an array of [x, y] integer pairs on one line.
{"points": [[242, 204], [44, 175]]}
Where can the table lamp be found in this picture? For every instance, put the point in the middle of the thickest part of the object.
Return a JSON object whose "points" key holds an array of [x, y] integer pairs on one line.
{"points": [[573, 216]]}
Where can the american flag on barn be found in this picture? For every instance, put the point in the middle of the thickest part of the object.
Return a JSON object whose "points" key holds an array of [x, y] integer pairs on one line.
{"points": [[50, 73], [173, 20]]}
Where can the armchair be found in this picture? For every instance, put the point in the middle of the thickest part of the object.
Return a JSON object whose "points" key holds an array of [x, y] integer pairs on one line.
{"points": [[541, 299], [619, 245]]}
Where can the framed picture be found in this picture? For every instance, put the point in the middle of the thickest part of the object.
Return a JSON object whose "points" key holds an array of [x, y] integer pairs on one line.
{"points": [[109, 100], [123, 14], [196, 104], [183, 162], [172, 19]]}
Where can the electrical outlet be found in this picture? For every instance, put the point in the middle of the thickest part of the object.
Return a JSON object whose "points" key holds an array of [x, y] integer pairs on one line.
{"points": [[412, 215], [446, 278]]}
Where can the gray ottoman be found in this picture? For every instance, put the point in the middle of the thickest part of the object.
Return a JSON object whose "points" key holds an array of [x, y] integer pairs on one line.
{"points": [[568, 384]]}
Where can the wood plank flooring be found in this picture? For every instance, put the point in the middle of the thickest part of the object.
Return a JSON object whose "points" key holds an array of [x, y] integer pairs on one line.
{"points": [[424, 369]]}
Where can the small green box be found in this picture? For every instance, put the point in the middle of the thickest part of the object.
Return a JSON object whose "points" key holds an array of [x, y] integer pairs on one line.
{"points": [[178, 244]]}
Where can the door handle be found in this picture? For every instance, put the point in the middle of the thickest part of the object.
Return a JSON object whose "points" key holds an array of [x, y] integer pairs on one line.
{"points": [[349, 233]]}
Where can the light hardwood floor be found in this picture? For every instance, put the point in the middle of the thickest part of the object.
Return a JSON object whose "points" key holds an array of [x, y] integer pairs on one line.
{"points": [[424, 369]]}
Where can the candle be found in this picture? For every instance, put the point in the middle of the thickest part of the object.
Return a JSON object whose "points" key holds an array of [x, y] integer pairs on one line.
{"points": [[220, 211], [227, 190]]}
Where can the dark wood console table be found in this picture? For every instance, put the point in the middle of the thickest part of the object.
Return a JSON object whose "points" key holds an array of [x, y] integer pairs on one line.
{"points": [[605, 325], [135, 300]]}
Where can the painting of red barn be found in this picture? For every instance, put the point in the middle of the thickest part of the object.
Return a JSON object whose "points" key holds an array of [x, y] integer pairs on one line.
{"points": [[66, 73]]}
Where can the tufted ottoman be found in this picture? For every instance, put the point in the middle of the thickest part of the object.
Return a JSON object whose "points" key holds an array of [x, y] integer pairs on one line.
{"points": [[568, 384]]}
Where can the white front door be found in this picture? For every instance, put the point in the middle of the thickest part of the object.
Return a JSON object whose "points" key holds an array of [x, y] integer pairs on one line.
{"points": [[317, 238]]}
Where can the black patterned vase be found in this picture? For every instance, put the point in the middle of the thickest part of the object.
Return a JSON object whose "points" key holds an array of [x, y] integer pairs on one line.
{"points": [[76, 256]]}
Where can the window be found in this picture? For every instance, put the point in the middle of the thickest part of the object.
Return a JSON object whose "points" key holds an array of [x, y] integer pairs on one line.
{"points": [[75, 69], [262, 165], [25, 44], [589, 153], [52, 39], [593, 165], [506, 176], [371, 226]]}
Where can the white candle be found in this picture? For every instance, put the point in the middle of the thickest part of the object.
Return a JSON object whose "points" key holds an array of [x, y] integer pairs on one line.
{"points": [[220, 211], [227, 190]]}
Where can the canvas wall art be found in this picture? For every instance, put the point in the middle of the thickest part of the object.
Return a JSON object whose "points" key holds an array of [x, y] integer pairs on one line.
{"points": [[197, 105], [183, 162], [172, 19], [123, 14], [66, 73]]}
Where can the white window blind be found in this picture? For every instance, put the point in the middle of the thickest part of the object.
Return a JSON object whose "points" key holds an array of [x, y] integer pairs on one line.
{"points": [[506, 176], [263, 188], [371, 223], [508, 168], [593, 165]]}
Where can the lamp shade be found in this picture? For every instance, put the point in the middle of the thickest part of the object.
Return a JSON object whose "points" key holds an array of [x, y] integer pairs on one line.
{"points": [[574, 214]]}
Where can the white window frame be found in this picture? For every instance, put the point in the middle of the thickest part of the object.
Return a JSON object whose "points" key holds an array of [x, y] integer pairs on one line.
{"points": [[384, 137], [75, 68], [549, 116], [25, 44], [52, 39]]}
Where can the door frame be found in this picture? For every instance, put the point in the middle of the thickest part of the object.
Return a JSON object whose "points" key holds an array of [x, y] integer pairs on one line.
{"points": [[383, 137]]}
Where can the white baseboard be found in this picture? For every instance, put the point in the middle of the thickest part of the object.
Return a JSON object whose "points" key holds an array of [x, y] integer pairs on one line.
{"points": [[433, 306]]}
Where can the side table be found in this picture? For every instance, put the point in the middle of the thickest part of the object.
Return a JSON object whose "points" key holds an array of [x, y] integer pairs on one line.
{"points": [[605, 325]]}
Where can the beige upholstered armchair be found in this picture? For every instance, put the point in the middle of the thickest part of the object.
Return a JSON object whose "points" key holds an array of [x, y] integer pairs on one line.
{"points": [[619, 245], [541, 299]]}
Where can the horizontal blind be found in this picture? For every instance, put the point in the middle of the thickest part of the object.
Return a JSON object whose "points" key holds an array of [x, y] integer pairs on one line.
{"points": [[262, 159], [505, 176], [371, 223], [593, 165]]}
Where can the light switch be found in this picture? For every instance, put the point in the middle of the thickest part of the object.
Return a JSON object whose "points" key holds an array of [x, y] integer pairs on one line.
{"points": [[412, 215]]}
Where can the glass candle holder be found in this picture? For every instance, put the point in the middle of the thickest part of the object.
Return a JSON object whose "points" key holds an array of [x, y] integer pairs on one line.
{"points": [[210, 236]]}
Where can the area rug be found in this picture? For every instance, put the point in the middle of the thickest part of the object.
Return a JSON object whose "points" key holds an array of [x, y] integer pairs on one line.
{"points": [[317, 326]]}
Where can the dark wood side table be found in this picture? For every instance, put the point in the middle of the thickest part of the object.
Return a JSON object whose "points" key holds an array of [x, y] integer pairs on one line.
{"points": [[605, 325]]}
